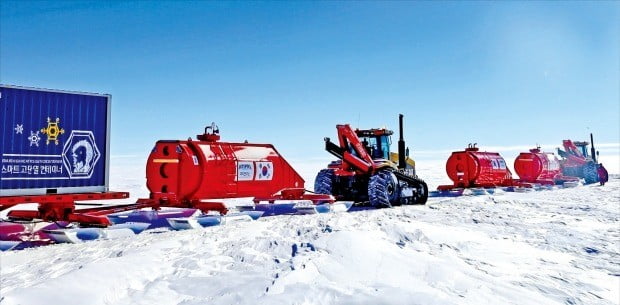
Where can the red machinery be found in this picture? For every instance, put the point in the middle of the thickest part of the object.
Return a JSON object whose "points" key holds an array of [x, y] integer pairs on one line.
{"points": [[181, 173], [364, 171], [536, 166], [62, 207], [472, 168], [577, 163]]}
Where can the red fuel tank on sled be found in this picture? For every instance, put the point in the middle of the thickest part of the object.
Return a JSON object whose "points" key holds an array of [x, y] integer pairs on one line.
{"points": [[537, 167], [473, 168], [191, 170]]}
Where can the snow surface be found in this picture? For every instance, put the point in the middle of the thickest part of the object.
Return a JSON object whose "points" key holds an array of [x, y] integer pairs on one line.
{"points": [[548, 247]]}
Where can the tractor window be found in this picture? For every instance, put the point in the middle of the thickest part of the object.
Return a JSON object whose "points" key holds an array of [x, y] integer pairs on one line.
{"points": [[373, 149], [385, 147], [584, 150]]}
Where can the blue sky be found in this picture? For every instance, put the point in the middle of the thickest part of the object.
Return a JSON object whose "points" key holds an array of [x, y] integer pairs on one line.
{"points": [[500, 74]]}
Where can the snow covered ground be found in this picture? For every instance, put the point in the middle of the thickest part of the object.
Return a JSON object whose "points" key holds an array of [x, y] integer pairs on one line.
{"points": [[548, 247]]}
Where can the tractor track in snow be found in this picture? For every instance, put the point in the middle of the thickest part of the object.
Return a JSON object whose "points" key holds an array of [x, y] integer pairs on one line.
{"points": [[551, 247]]}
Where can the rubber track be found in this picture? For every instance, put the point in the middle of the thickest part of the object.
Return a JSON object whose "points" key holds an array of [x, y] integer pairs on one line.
{"points": [[415, 182]]}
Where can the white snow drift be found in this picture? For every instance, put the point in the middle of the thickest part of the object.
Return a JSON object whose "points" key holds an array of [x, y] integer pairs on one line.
{"points": [[548, 247]]}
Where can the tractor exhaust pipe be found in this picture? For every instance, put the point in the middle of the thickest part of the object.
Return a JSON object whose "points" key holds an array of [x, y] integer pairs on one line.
{"points": [[401, 144], [592, 150]]}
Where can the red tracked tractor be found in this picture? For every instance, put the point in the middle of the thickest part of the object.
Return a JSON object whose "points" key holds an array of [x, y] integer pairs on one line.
{"points": [[577, 162], [366, 170]]}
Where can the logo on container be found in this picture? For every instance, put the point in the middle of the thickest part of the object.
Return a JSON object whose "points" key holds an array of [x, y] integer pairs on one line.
{"points": [[80, 154]]}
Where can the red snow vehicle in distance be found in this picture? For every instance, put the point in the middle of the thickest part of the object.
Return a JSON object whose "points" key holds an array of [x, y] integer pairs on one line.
{"points": [[577, 162]]}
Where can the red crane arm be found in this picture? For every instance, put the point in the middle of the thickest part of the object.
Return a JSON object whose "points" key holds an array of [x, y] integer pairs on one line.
{"points": [[348, 139], [573, 154]]}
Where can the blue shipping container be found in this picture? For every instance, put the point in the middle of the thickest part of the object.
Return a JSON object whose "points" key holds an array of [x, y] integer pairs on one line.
{"points": [[53, 141]]}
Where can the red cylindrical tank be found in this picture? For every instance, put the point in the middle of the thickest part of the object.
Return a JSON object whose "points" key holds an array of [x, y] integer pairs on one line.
{"points": [[472, 168], [207, 169], [537, 167]]}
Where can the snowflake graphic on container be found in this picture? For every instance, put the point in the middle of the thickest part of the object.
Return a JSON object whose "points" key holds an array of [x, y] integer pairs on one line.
{"points": [[19, 129], [53, 131], [34, 138]]}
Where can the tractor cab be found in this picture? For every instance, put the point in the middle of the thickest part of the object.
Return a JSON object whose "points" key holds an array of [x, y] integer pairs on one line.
{"points": [[577, 161], [376, 142], [582, 146], [577, 149]]}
